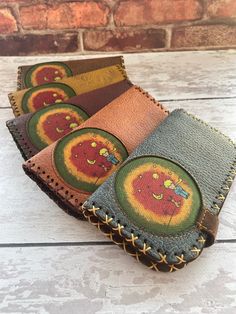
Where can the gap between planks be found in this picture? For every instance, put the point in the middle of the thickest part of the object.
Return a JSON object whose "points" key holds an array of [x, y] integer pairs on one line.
{"points": [[89, 243]]}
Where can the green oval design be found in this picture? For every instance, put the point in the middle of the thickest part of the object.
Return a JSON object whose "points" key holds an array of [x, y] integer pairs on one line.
{"points": [[66, 88], [33, 122], [29, 73], [59, 160], [141, 217]]}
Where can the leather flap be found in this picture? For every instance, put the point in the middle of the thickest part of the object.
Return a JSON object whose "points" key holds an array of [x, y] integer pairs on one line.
{"points": [[208, 222]]}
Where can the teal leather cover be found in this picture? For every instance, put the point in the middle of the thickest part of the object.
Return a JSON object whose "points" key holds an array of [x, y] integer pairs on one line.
{"points": [[206, 154]]}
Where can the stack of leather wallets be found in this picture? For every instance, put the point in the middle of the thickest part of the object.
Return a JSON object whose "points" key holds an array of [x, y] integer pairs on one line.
{"points": [[106, 151]]}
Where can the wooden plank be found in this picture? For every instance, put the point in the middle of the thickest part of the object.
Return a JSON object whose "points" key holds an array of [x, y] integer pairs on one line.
{"points": [[28, 215], [175, 75], [103, 279]]}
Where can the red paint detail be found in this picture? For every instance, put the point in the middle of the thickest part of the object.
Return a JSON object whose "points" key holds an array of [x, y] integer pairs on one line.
{"points": [[83, 152], [58, 120], [49, 73], [144, 188], [46, 97]]}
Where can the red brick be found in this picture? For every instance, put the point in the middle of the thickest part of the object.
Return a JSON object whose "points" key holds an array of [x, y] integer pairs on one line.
{"points": [[143, 12], [7, 22], [127, 40], [221, 8], [34, 17], [64, 15], [204, 36], [38, 44]]}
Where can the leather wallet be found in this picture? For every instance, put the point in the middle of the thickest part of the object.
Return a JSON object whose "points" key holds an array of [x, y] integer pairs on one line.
{"points": [[32, 99], [47, 72], [34, 131], [70, 169], [162, 204]]}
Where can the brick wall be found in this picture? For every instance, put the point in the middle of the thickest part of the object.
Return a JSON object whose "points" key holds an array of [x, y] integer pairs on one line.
{"points": [[34, 26]]}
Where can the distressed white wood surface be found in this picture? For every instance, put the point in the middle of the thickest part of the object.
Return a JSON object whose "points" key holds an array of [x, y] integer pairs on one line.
{"points": [[72, 269], [174, 75], [85, 280]]}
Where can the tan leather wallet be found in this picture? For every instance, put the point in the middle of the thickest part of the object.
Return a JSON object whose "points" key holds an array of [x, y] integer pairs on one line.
{"points": [[70, 169], [35, 98]]}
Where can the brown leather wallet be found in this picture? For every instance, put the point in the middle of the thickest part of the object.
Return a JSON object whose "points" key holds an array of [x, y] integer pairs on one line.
{"points": [[47, 72], [36, 130], [32, 99], [70, 169]]}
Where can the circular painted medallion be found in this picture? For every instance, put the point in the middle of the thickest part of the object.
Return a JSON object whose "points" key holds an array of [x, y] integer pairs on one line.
{"points": [[45, 73], [158, 195], [42, 96], [53, 122], [87, 157]]}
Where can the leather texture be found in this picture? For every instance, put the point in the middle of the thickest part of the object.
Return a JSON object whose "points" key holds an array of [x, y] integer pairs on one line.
{"points": [[77, 85], [130, 118], [208, 222], [76, 67], [205, 153], [90, 103]]}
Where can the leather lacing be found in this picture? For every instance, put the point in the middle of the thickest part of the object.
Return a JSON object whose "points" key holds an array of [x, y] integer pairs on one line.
{"points": [[117, 232], [142, 252]]}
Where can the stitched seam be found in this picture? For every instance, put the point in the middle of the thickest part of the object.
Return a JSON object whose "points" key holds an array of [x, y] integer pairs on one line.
{"points": [[52, 183], [19, 139], [14, 104], [122, 62], [19, 78], [151, 98], [232, 172], [122, 70], [145, 248]]}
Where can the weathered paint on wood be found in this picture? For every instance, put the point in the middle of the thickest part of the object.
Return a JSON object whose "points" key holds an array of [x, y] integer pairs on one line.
{"points": [[77, 273], [174, 75], [92, 279]]}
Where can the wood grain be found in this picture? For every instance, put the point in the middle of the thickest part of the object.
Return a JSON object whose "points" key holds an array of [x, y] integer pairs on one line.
{"points": [[52, 263]]}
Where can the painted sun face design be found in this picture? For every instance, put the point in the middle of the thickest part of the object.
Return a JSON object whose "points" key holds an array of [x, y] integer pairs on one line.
{"points": [[50, 124], [158, 194], [42, 96], [46, 73], [85, 158]]}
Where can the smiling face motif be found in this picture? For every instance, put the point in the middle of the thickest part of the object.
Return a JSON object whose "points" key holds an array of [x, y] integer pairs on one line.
{"points": [[158, 194], [46, 73], [50, 124], [42, 96], [80, 161]]}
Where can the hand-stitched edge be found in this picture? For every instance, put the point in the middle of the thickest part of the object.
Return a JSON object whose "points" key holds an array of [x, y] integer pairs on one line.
{"points": [[19, 78], [229, 178], [51, 187], [123, 71], [18, 138], [141, 253], [151, 98], [122, 62], [65, 186], [64, 203], [14, 105]]}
